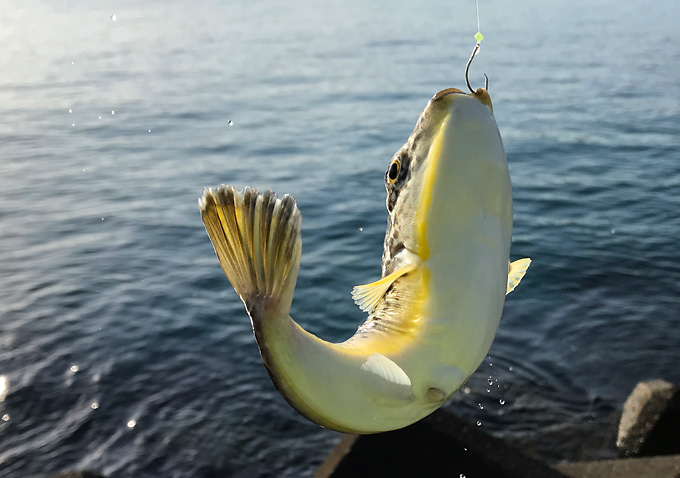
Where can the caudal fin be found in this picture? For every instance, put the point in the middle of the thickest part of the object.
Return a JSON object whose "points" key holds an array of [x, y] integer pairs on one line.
{"points": [[257, 241]]}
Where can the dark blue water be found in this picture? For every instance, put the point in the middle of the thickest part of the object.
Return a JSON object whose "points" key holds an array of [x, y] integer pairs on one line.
{"points": [[114, 311]]}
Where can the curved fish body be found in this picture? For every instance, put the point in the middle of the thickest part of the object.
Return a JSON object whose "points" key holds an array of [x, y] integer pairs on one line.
{"points": [[445, 273]]}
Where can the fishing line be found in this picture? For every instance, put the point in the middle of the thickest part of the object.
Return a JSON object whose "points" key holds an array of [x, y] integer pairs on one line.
{"points": [[478, 37]]}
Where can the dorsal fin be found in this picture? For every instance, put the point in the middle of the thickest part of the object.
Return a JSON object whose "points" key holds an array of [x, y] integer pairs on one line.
{"points": [[367, 296], [516, 271]]}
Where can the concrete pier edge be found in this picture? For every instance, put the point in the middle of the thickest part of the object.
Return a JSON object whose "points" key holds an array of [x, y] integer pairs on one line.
{"points": [[446, 445]]}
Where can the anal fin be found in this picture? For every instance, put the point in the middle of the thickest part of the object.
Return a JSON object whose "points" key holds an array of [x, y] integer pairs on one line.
{"points": [[386, 369], [387, 380]]}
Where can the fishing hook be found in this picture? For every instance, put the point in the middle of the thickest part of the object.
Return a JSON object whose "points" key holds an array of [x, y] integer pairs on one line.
{"points": [[467, 70]]}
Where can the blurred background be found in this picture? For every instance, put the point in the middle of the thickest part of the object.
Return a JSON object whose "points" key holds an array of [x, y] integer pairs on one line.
{"points": [[124, 348]]}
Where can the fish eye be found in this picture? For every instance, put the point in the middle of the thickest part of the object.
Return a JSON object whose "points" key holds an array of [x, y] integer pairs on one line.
{"points": [[393, 170]]}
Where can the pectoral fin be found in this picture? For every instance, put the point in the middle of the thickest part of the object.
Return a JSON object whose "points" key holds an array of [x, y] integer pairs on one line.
{"points": [[367, 296], [516, 271]]}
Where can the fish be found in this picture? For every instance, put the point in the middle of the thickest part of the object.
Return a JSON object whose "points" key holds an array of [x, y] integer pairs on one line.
{"points": [[432, 315]]}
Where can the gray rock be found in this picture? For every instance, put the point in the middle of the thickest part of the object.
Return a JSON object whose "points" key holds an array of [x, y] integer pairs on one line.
{"points": [[650, 423], [657, 467], [441, 445]]}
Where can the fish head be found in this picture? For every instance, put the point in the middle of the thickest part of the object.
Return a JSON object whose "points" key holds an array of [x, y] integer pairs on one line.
{"points": [[452, 166]]}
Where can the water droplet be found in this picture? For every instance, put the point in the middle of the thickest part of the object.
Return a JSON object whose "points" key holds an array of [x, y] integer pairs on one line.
{"points": [[462, 475], [479, 424], [74, 368], [70, 110], [102, 219], [230, 123], [100, 117], [114, 17], [465, 449], [501, 401], [94, 405], [131, 424], [4, 387], [613, 231], [490, 381], [361, 229], [113, 112], [5, 417], [73, 125], [481, 407], [149, 131], [487, 390], [510, 369]]}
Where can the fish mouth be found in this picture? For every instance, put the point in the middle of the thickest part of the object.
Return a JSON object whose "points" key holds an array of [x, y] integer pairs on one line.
{"points": [[480, 94], [447, 92]]}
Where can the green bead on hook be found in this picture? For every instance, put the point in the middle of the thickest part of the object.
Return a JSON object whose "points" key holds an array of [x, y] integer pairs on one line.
{"points": [[479, 37]]}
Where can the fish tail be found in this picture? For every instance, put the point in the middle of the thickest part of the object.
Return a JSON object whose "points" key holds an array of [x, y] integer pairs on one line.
{"points": [[257, 241]]}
